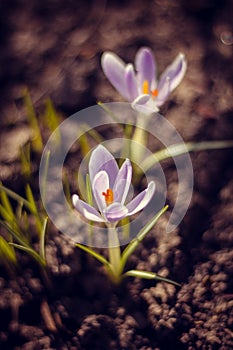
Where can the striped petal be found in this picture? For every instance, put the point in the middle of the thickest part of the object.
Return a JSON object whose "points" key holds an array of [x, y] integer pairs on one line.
{"points": [[131, 82], [100, 184], [146, 67], [164, 91], [86, 210], [123, 182], [145, 104], [141, 200], [102, 159], [114, 69], [175, 72], [115, 212]]}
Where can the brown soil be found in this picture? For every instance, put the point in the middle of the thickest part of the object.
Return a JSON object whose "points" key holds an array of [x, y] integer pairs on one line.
{"points": [[54, 48]]}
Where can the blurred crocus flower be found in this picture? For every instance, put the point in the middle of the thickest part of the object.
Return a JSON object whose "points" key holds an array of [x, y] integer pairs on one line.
{"points": [[139, 85], [110, 187]]}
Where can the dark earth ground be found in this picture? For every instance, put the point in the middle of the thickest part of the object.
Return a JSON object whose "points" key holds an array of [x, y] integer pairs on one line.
{"points": [[54, 48]]}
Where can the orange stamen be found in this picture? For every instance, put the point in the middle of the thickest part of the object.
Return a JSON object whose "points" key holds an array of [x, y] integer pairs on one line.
{"points": [[155, 92], [145, 87], [109, 196]]}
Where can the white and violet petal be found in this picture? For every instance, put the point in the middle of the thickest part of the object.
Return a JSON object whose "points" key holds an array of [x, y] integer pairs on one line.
{"points": [[144, 104], [114, 69], [145, 67], [86, 210], [141, 200], [99, 186], [123, 182], [175, 71], [115, 212], [102, 160], [131, 82], [164, 90]]}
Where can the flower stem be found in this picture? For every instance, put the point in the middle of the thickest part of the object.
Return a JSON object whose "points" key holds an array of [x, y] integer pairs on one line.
{"points": [[114, 252], [140, 137]]}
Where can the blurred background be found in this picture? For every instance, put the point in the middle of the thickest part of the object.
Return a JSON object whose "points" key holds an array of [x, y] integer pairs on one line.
{"points": [[53, 48]]}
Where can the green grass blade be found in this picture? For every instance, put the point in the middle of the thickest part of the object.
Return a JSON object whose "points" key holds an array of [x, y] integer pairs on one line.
{"points": [[51, 117], [6, 215], [31, 199], [25, 160], [7, 252], [149, 275], [183, 148], [18, 198], [96, 255], [140, 236], [37, 141], [42, 238], [34, 208], [90, 202], [111, 114], [84, 145], [89, 190], [16, 235], [6, 203], [31, 252], [45, 175], [19, 210], [66, 186]]}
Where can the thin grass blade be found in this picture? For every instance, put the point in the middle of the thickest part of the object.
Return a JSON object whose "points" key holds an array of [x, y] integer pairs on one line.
{"points": [[140, 236], [149, 275]]}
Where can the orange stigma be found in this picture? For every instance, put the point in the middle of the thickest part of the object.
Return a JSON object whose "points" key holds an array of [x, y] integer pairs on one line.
{"points": [[146, 90], [109, 196], [155, 92], [145, 87]]}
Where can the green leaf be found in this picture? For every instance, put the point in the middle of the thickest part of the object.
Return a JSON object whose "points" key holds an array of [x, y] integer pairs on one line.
{"points": [[18, 198], [31, 199], [6, 203], [140, 236], [84, 145], [6, 251], [25, 159], [66, 185], [96, 255], [45, 175], [149, 275], [42, 238], [111, 114], [16, 234], [183, 148], [32, 118], [6, 215], [51, 117], [31, 252], [34, 209], [89, 190]]}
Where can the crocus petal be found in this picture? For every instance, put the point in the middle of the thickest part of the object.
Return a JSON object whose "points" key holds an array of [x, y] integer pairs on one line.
{"points": [[175, 71], [131, 82], [114, 69], [99, 185], [164, 91], [144, 104], [146, 67], [141, 200], [102, 159], [123, 181], [141, 99], [115, 212], [86, 210]]}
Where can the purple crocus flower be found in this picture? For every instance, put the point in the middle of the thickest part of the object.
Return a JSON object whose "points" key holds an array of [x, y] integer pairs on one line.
{"points": [[110, 187], [142, 88]]}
